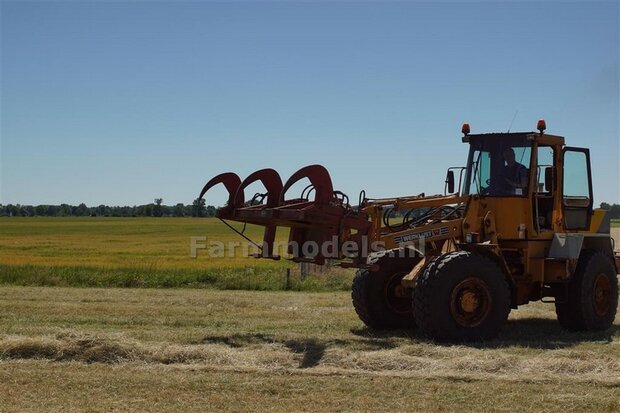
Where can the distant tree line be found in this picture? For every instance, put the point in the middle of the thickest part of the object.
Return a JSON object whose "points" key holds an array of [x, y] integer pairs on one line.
{"points": [[155, 209], [612, 210]]}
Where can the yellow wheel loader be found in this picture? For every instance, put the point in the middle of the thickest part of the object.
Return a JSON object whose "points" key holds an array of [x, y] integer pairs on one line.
{"points": [[515, 225]]}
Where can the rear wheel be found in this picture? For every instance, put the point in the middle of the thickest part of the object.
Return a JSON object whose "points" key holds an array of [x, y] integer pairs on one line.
{"points": [[592, 298], [461, 296], [378, 297]]}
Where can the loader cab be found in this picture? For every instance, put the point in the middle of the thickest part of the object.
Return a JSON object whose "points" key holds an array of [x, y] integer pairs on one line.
{"points": [[545, 185]]}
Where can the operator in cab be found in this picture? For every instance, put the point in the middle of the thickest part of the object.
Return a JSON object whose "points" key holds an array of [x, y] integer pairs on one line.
{"points": [[514, 175]]}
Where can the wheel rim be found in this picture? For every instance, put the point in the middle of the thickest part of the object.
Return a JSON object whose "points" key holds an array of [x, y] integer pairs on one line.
{"points": [[601, 294], [396, 297], [470, 302]]}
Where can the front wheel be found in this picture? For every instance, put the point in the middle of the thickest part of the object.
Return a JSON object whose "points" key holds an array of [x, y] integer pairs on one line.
{"points": [[461, 296]]}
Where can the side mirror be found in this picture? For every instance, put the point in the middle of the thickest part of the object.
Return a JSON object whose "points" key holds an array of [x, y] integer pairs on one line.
{"points": [[549, 179], [450, 182]]}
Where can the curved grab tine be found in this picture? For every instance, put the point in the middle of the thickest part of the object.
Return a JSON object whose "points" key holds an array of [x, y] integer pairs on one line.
{"points": [[270, 179], [231, 181], [318, 177]]}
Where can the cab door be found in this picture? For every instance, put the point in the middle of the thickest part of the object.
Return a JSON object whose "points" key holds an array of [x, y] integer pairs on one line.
{"points": [[577, 198]]}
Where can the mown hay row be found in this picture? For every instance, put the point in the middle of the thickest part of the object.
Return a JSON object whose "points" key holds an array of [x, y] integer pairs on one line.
{"points": [[425, 360]]}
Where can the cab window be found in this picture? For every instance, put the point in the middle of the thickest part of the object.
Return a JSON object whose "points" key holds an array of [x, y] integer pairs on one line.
{"points": [[499, 166]]}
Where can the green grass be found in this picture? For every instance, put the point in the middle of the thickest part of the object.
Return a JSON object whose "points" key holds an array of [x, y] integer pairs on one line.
{"points": [[240, 278], [72, 349], [615, 223], [141, 252]]}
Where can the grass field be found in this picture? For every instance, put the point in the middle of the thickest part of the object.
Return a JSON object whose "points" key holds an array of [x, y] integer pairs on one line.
{"points": [[139, 252], [200, 349], [74, 349]]}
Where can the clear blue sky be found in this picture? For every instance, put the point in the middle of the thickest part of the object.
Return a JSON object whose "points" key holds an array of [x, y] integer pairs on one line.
{"points": [[122, 102]]}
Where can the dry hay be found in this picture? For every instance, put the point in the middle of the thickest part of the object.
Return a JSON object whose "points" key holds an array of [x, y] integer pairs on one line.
{"points": [[409, 360]]}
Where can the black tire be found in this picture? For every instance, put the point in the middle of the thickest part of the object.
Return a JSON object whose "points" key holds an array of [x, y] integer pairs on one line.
{"points": [[592, 298], [377, 296], [461, 296]]}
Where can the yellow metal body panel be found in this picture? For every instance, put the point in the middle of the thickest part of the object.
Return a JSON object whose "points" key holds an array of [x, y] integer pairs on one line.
{"points": [[597, 219], [509, 213]]}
